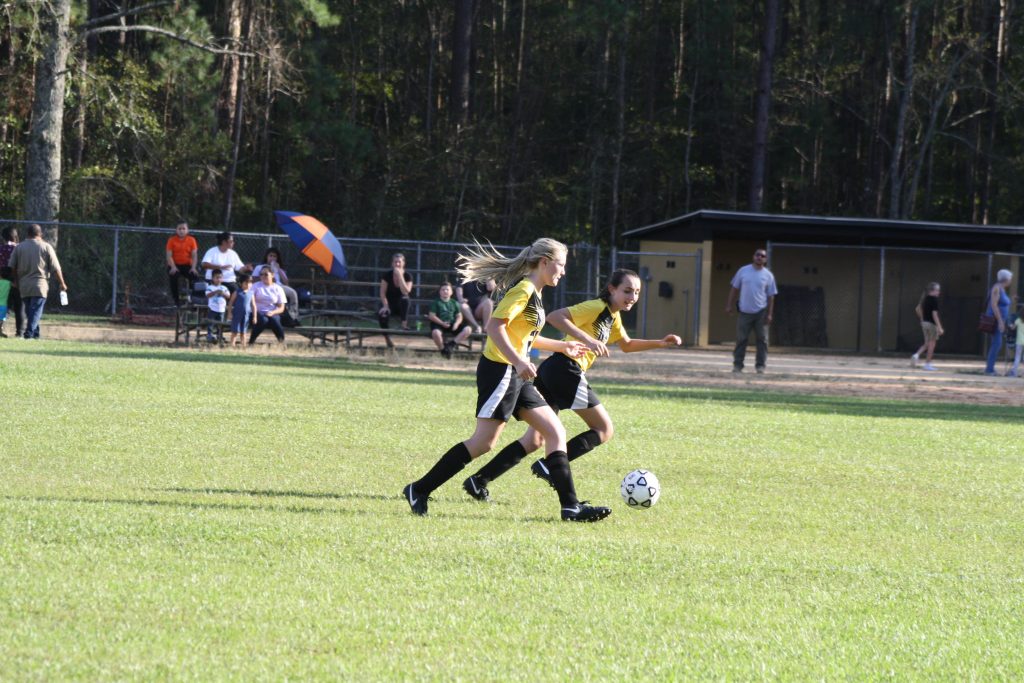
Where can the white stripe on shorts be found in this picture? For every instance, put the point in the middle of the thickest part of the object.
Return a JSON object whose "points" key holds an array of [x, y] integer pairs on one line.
{"points": [[582, 394], [499, 392]]}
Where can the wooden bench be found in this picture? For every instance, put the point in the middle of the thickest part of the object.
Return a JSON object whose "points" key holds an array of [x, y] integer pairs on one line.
{"points": [[191, 319], [353, 336]]}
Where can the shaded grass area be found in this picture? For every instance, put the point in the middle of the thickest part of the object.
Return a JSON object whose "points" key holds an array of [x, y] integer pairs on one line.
{"points": [[168, 513]]}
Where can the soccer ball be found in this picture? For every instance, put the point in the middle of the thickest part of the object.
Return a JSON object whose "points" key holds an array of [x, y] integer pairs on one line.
{"points": [[640, 489]]}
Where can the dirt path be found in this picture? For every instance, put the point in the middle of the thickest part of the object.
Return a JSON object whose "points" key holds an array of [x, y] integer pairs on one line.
{"points": [[955, 381]]}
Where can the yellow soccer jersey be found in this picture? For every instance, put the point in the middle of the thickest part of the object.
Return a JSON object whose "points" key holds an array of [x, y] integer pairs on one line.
{"points": [[523, 310], [594, 318]]}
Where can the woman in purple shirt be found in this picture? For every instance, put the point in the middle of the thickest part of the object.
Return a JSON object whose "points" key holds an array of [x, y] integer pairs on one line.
{"points": [[270, 300]]}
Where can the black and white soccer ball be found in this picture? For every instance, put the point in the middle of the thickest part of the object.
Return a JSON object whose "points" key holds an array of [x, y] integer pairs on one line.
{"points": [[640, 489]]}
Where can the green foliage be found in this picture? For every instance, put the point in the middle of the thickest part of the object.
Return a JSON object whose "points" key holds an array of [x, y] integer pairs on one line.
{"points": [[346, 114]]}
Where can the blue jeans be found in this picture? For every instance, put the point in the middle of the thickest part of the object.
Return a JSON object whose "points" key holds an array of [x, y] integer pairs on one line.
{"points": [[264, 321], [212, 331], [994, 350], [33, 314]]}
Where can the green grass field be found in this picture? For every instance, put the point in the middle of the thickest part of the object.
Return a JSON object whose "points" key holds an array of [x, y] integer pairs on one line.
{"points": [[172, 514]]}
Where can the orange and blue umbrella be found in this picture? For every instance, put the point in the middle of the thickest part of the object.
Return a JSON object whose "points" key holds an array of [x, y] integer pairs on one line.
{"points": [[314, 240]]}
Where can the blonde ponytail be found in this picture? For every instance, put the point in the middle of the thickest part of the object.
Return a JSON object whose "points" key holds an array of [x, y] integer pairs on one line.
{"points": [[481, 263]]}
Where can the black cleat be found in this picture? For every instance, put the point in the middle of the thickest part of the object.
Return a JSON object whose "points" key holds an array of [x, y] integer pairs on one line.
{"points": [[417, 501], [585, 513], [541, 471], [476, 490]]}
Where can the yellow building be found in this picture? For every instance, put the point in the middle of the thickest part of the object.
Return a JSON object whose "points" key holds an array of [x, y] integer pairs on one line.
{"points": [[844, 283]]}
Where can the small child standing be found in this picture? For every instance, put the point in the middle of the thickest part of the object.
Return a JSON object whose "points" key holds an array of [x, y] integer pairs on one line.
{"points": [[445, 317], [5, 291], [243, 310], [1017, 324], [217, 300]]}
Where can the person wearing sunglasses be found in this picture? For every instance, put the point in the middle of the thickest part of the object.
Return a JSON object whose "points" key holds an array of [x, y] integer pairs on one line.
{"points": [[752, 299]]}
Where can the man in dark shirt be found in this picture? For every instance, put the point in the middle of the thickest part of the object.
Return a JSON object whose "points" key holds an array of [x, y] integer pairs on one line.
{"points": [[931, 326]]}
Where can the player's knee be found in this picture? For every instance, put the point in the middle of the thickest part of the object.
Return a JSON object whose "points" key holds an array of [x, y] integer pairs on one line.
{"points": [[531, 441], [553, 431]]}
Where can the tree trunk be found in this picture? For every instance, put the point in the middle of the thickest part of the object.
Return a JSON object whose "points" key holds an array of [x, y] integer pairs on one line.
{"points": [[620, 128], [689, 140], [462, 41], [428, 115], [895, 173], [996, 70], [231, 70], [43, 164], [236, 128], [762, 106]]}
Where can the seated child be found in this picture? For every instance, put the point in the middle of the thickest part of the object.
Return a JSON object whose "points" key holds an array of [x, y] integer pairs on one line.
{"points": [[243, 310], [5, 290], [217, 299], [445, 318]]}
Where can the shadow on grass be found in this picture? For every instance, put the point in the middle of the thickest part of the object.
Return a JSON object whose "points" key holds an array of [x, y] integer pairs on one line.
{"points": [[822, 405], [271, 493], [399, 509], [642, 388], [351, 370]]}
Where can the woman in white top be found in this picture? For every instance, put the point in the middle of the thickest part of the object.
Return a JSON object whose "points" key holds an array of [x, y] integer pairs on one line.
{"points": [[269, 300]]}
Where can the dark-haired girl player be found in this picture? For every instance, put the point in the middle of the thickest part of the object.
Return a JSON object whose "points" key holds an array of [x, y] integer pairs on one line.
{"points": [[562, 381], [504, 372]]}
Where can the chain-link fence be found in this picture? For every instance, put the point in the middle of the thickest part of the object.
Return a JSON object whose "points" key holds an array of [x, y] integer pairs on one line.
{"points": [[670, 297], [115, 269], [863, 298]]}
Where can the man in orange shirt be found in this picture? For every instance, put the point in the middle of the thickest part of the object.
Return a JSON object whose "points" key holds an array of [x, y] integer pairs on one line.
{"points": [[182, 252]]}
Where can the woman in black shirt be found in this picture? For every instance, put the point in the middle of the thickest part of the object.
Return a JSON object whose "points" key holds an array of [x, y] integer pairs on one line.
{"points": [[395, 287]]}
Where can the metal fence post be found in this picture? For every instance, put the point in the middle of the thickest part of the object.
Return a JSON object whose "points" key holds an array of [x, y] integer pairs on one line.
{"points": [[697, 296], [615, 255], [419, 276], [881, 301], [113, 286]]}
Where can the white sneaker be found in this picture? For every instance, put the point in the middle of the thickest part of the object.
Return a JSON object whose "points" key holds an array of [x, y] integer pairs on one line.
{"points": [[927, 366], [913, 360]]}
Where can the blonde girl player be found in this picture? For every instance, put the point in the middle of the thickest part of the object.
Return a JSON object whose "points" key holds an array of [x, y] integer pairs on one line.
{"points": [[504, 373], [562, 381]]}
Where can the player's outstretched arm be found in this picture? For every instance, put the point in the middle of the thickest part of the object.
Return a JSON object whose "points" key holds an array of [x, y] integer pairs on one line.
{"points": [[634, 345]]}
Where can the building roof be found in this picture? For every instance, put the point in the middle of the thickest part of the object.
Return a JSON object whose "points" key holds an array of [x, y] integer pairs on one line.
{"points": [[705, 224]]}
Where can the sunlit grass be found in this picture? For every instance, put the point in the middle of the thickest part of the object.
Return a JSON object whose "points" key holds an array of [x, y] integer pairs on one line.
{"points": [[170, 514]]}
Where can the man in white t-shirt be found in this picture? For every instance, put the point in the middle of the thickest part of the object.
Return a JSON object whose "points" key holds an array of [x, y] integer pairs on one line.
{"points": [[755, 286], [224, 257]]}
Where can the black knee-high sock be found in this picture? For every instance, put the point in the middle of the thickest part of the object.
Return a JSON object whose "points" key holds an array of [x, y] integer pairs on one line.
{"points": [[561, 478], [582, 444], [447, 467], [507, 458]]}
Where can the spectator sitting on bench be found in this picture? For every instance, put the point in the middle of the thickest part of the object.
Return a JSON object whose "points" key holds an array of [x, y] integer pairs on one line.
{"points": [[475, 299], [217, 301], [223, 256], [181, 253], [395, 287], [445, 318], [272, 260], [269, 299]]}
